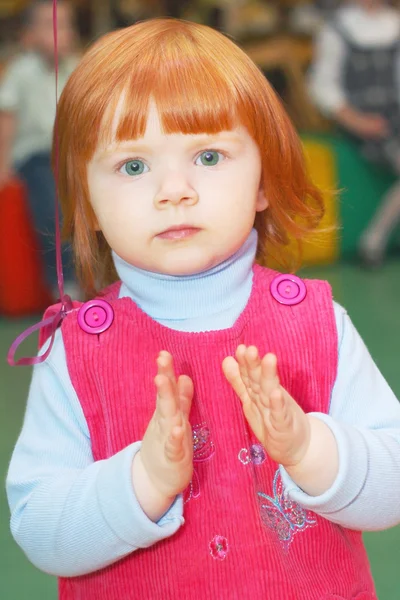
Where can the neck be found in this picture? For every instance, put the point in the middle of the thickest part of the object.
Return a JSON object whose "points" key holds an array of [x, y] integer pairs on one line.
{"points": [[205, 301]]}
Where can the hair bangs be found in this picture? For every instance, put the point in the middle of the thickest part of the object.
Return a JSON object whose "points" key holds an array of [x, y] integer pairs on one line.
{"points": [[192, 92], [199, 80]]}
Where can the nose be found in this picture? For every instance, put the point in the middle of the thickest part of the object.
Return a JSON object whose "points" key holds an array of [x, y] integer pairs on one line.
{"points": [[175, 189]]}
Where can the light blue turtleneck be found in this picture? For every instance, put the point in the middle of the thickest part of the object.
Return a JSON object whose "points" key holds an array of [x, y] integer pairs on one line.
{"points": [[72, 515], [217, 297]]}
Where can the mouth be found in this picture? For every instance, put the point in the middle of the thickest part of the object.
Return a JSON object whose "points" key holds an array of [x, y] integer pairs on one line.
{"points": [[178, 232]]}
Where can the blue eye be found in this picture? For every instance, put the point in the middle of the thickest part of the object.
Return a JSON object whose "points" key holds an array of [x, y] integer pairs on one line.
{"points": [[209, 158], [134, 167]]}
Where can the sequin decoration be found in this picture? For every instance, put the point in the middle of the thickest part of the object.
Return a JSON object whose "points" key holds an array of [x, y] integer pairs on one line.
{"points": [[203, 450], [203, 447], [256, 455], [283, 516], [244, 456], [219, 547]]}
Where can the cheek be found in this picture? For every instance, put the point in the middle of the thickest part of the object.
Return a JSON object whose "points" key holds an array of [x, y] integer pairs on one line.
{"points": [[242, 190], [113, 219], [108, 216], [123, 219], [247, 175], [229, 187]]}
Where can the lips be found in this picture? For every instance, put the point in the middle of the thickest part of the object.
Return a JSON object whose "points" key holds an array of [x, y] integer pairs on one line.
{"points": [[178, 232]]}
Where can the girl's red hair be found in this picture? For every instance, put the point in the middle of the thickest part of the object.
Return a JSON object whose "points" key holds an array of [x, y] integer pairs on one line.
{"points": [[201, 82]]}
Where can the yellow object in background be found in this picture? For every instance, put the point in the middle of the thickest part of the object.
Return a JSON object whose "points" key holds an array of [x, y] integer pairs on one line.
{"points": [[323, 247]]}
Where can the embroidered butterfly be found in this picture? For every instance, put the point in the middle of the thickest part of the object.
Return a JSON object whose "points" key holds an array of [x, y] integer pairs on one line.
{"points": [[282, 515], [203, 450]]}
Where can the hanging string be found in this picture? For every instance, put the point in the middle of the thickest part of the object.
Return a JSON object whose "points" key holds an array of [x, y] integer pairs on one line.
{"points": [[60, 277], [50, 324]]}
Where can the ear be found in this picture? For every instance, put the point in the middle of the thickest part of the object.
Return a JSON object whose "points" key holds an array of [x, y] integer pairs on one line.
{"points": [[262, 202]]}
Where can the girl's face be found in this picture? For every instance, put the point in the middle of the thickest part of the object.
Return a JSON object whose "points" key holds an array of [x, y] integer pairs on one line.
{"points": [[175, 203]]}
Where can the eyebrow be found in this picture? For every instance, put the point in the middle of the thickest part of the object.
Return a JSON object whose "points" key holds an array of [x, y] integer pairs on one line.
{"points": [[127, 146], [220, 136]]}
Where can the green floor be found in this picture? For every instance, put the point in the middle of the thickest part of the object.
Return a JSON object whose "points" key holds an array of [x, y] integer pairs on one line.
{"points": [[372, 301]]}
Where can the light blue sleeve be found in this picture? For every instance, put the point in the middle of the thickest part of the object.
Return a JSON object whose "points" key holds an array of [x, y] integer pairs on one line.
{"points": [[364, 417], [70, 514]]}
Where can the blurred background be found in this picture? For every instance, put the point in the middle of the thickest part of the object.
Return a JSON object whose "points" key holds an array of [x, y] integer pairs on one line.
{"points": [[335, 66]]}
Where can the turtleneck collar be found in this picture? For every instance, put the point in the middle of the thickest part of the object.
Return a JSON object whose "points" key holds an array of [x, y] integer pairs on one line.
{"points": [[209, 300]]}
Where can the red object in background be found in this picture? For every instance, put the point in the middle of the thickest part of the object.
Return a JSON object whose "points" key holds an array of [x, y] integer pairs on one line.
{"points": [[22, 285]]}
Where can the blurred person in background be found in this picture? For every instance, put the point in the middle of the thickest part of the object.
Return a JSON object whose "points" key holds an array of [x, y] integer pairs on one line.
{"points": [[355, 81], [27, 113]]}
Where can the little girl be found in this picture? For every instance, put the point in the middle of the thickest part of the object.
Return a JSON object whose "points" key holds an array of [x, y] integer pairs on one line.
{"points": [[355, 80], [162, 455]]}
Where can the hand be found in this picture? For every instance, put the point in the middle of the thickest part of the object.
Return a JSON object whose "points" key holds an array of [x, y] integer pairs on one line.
{"points": [[167, 448], [370, 126], [275, 418], [364, 125]]}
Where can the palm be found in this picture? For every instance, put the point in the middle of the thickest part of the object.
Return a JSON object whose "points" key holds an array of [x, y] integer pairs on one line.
{"points": [[273, 415]]}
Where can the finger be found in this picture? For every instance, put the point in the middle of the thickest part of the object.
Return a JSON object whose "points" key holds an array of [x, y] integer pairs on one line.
{"points": [[279, 416], [165, 366], [185, 393], [167, 403], [241, 360], [253, 366], [269, 375], [251, 357], [231, 371]]}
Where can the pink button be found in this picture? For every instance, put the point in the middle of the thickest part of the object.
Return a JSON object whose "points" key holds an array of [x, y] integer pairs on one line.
{"points": [[95, 316], [288, 289]]}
